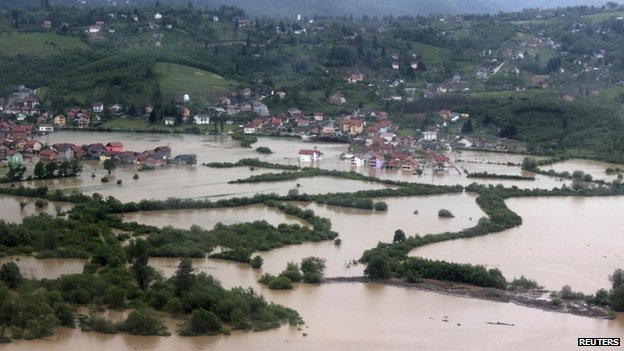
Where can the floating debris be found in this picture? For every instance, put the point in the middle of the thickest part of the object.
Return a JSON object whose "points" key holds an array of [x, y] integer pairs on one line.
{"points": [[500, 323]]}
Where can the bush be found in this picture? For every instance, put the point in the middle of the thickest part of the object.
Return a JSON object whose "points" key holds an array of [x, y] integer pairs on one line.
{"points": [[104, 179], [40, 203], [204, 322], [445, 213], [256, 262], [143, 321], [312, 268], [263, 150], [119, 181], [381, 206], [281, 283], [523, 283], [135, 176]]}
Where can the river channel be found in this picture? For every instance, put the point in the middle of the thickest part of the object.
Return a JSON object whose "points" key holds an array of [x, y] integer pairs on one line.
{"points": [[571, 241]]}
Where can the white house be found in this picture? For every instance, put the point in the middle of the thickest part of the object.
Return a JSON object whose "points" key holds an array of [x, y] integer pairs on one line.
{"points": [[249, 128], [157, 16], [97, 107], [465, 142], [307, 155], [357, 161], [94, 29], [431, 134], [201, 119]]}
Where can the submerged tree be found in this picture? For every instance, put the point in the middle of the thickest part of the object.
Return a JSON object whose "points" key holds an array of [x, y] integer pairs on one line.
{"points": [[139, 257]]}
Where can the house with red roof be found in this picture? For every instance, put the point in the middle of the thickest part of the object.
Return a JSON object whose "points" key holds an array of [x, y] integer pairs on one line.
{"points": [[114, 147], [307, 155]]}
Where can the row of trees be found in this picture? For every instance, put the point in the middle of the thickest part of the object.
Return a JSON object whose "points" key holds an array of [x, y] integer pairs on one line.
{"points": [[54, 169]]}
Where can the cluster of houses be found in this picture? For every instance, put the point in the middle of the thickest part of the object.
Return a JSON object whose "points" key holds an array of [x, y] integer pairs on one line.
{"points": [[21, 145]]}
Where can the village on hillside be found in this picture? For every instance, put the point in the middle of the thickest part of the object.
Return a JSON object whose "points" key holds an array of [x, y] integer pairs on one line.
{"points": [[373, 138]]}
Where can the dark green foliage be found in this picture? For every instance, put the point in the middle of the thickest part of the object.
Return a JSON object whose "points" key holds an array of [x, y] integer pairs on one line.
{"points": [[312, 269], [183, 277], [292, 272], [486, 175], [523, 283], [109, 165], [256, 262], [467, 127], [250, 162], [465, 273], [97, 324], [263, 150], [204, 323], [378, 268], [281, 283], [616, 299], [10, 275], [445, 213], [143, 321], [399, 236], [380, 206], [64, 312], [40, 203], [138, 256], [15, 173], [617, 278]]}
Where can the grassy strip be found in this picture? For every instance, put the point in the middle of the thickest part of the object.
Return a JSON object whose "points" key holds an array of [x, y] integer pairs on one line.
{"points": [[251, 162], [486, 175]]}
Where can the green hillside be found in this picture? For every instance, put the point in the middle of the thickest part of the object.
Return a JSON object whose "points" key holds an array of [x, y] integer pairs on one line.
{"points": [[37, 43], [176, 80]]}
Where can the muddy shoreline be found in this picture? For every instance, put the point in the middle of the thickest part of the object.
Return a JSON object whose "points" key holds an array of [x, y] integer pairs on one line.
{"points": [[533, 298]]}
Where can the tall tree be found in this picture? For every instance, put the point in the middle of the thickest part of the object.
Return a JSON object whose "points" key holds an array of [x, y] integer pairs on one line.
{"points": [[183, 277], [138, 256]]}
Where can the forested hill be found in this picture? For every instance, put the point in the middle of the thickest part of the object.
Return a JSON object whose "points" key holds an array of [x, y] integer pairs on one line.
{"points": [[356, 8]]}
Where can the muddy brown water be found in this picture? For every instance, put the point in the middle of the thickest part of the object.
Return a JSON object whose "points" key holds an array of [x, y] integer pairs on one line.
{"points": [[562, 241]]}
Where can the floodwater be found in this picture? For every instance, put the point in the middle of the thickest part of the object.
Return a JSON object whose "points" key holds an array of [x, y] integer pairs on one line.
{"points": [[562, 241], [49, 268], [370, 317], [595, 168], [12, 210]]}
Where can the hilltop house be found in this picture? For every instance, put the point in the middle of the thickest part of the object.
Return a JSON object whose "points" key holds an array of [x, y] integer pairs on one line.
{"points": [[201, 119], [97, 107], [352, 126]]}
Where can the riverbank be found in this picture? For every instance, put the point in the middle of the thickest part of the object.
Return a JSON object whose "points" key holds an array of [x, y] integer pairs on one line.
{"points": [[531, 298]]}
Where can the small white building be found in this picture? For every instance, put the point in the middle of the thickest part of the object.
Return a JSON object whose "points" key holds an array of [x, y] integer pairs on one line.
{"points": [[307, 155], [157, 16], [249, 128], [431, 134], [357, 161], [465, 142], [169, 121], [97, 107], [201, 119]]}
